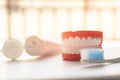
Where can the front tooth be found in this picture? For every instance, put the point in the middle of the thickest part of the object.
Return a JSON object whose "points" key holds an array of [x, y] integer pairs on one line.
{"points": [[70, 50], [82, 41], [76, 41], [69, 41], [79, 42], [91, 43], [89, 40], [86, 42]]}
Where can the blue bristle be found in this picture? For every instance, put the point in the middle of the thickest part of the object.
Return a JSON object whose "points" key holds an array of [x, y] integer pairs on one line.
{"points": [[95, 55]]}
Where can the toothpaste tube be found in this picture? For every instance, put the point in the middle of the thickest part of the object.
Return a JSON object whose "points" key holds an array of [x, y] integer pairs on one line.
{"points": [[40, 47]]}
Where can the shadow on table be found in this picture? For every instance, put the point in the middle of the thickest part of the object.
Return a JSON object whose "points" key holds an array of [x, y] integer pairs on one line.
{"points": [[35, 58]]}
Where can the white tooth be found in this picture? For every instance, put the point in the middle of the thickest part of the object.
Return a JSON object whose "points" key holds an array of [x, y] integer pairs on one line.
{"points": [[85, 42], [65, 50], [76, 41], [64, 41], [70, 41], [81, 42], [69, 50], [93, 40], [89, 40], [97, 41]]}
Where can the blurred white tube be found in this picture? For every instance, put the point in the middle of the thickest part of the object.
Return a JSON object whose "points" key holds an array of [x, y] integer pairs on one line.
{"points": [[37, 46], [12, 48]]}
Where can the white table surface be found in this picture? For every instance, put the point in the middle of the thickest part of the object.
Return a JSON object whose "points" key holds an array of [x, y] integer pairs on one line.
{"points": [[53, 67]]}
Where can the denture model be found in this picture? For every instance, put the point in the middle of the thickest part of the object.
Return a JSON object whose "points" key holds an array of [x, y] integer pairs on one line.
{"points": [[73, 41]]}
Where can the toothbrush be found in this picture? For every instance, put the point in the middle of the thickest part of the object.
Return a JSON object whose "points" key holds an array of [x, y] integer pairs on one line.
{"points": [[95, 55]]}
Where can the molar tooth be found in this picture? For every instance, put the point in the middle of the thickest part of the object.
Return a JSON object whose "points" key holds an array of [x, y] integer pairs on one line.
{"points": [[97, 41], [93, 41]]}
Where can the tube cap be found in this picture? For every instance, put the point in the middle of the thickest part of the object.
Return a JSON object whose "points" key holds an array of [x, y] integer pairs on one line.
{"points": [[12, 48]]}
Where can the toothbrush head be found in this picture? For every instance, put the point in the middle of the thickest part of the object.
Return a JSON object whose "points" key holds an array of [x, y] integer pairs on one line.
{"points": [[92, 54]]}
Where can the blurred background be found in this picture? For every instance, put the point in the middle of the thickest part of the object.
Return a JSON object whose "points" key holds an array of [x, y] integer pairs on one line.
{"points": [[22, 18]]}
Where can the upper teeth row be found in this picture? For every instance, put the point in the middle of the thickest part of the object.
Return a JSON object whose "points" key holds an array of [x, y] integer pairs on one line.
{"points": [[81, 41]]}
